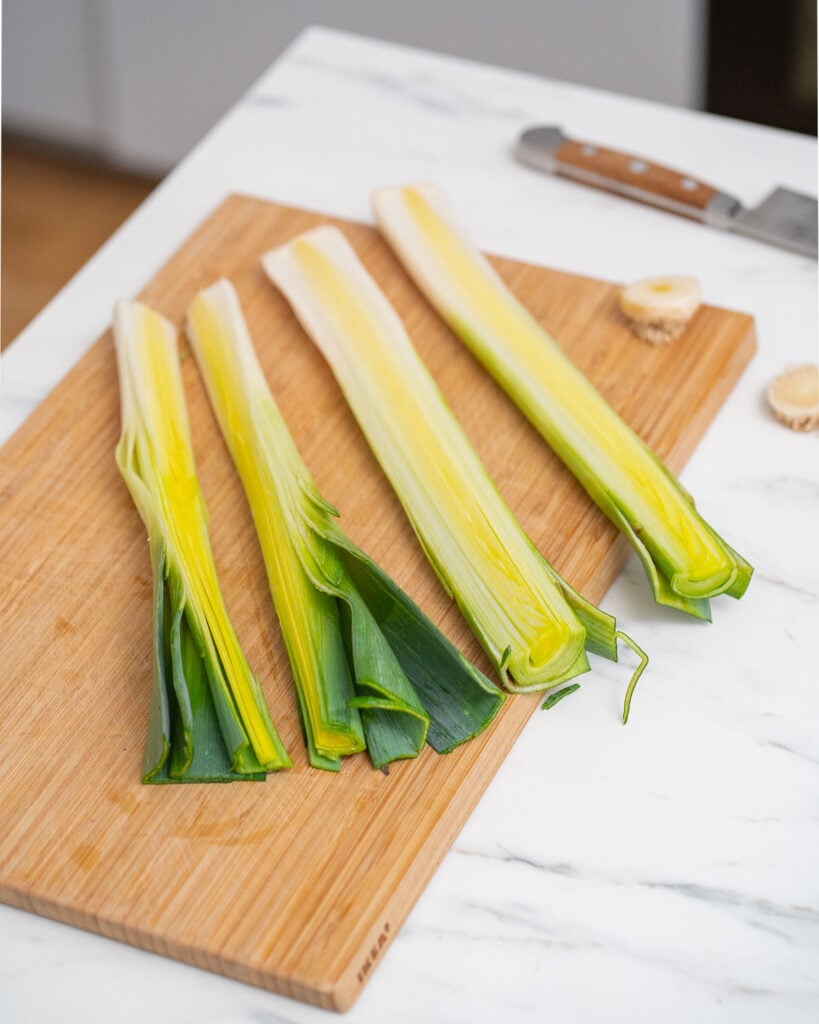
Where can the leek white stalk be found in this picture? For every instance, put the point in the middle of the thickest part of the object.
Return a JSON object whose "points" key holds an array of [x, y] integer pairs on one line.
{"points": [[686, 561], [531, 623], [355, 641], [203, 686]]}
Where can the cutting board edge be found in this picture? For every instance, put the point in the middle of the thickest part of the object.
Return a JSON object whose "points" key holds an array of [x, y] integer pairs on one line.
{"points": [[324, 997]]}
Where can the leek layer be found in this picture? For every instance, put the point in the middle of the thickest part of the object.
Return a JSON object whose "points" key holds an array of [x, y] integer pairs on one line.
{"points": [[208, 719], [533, 626], [686, 561], [346, 625]]}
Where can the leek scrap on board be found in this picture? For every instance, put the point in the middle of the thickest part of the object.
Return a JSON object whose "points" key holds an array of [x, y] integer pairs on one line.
{"points": [[686, 561], [370, 669], [532, 624], [208, 720]]}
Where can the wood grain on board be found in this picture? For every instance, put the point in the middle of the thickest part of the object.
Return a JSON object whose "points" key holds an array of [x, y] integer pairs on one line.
{"points": [[297, 884]]}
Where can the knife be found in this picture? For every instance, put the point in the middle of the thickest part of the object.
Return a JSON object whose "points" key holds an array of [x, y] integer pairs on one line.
{"points": [[785, 218]]}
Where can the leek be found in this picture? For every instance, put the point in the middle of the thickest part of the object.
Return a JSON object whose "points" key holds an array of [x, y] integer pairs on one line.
{"points": [[531, 623], [369, 668], [686, 561], [208, 719]]}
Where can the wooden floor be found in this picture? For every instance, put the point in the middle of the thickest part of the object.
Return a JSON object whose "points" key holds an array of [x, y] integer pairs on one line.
{"points": [[56, 214]]}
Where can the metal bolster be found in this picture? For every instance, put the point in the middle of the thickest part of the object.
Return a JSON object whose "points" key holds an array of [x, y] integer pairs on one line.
{"points": [[537, 147], [722, 209]]}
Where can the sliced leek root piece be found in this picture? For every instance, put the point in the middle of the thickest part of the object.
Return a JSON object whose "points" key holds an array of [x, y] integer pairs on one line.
{"points": [[208, 719], [794, 397], [659, 308], [368, 666], [533, 626], [686, 561]]}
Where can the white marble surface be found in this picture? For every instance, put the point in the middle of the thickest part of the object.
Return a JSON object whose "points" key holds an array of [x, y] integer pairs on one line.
{"points": [[668, 870]]}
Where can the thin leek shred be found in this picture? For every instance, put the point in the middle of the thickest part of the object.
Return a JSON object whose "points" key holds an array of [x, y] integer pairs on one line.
{"points": [[369, 668], [558, 696], [531, 623], [686, 561], [208, 720]]}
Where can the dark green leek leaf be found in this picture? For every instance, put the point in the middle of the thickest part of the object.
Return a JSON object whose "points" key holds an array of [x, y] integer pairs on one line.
{"points": [[460, 700], [185, 740], [395, 722]]}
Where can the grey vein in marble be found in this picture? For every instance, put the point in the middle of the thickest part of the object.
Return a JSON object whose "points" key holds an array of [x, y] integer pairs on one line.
{"points": [[429, 91]]}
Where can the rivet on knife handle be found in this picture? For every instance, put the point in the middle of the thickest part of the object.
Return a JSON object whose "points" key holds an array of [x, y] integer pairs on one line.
{"points": [[636, 177]]}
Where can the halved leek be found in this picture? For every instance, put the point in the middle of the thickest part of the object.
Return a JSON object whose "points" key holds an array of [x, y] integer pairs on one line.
{"points": [[367, 664], [685, 559], [208, 718], [533, 626]]}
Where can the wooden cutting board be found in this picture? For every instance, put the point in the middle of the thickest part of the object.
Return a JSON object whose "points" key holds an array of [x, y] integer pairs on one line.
{"points": [[297, 884]]}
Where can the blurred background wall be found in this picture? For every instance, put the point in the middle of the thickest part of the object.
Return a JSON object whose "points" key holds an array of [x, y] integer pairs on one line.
{"points": [[140, 81]]}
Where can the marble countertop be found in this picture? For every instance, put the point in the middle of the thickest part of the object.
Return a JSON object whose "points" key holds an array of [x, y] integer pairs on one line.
{"points": [[663, 871]]}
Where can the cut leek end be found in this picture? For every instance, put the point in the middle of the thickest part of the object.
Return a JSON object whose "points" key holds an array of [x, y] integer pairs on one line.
{"points": [[707, 587], [339, 741], [732, 578], [703, 567], [544, 677], [542, 660]]}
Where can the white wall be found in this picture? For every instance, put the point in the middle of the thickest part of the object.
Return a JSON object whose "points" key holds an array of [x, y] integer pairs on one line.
{"points": [[140, 81], [49, 70]]}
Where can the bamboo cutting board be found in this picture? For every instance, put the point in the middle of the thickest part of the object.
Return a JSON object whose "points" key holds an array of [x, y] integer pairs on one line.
{"points": [[297, 884]]}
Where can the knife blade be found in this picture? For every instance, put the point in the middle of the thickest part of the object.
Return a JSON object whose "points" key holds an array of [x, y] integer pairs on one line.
{"points": [[784, 218]]}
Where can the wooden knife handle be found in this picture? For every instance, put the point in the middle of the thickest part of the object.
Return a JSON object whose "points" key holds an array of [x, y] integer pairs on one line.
{"points": [[633, 176]]}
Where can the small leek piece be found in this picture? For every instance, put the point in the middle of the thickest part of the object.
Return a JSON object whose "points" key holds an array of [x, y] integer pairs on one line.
{"points": [[684, 558], [659, 308], [367, 664], [208, 718], [533, 626], [794, 397]]}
